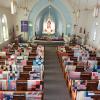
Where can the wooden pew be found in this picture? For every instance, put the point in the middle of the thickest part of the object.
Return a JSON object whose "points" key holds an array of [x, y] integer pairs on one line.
{"points": [[21, 85], [74, 59], [2, 62], [96, 96], [75, 63], [92, 54], [29, 62], [98, 62], [32, 54], [85, 76], [67, 48], [98, 58], [19, 96], [31, 58], [92, 85], [27, 68], [24, 76], [79, 69], [70, 54], [92, 58]]}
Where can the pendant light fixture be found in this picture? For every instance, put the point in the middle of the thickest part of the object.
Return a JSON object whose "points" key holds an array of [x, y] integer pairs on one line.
{"points": [[13, 6], [78, 13], [96, 10], [23, 4]]}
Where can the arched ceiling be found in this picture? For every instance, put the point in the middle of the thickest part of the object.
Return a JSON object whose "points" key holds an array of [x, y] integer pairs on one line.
{"points": [[55, 15], [5, 3], [56, 4], [73, 3]]}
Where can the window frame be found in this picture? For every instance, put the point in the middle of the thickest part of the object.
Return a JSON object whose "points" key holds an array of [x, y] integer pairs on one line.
{"points": [[4, 35]]}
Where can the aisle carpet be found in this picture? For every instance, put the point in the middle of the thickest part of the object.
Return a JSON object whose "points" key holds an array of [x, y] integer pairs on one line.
{"points": [[54, 83]]}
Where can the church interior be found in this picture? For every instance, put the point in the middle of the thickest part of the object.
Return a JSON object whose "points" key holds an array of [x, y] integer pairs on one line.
{"points": [[49, 49]]}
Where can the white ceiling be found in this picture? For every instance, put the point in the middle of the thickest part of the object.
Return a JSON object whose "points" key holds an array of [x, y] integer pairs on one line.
{"points": [[5, 3], [82, 4], [74, 3]]}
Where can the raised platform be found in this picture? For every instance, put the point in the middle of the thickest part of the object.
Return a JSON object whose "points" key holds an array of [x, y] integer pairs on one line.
{"points": [[53, 43]]}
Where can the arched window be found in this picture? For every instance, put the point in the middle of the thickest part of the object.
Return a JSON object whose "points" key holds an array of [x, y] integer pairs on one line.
{"points": [[3, 29]]}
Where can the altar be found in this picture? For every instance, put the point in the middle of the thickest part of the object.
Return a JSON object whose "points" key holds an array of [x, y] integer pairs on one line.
{"points": [[49, 40], [49, 35], [53, 43]]}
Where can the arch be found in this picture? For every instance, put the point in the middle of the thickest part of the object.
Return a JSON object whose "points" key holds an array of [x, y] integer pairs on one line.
{"points": [[55, 14], [39, 6]]}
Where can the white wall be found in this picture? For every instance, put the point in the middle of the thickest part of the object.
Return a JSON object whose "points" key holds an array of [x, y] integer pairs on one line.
{"points": [[92, 27], [21, 15], [10, 18], [86, 21], [10, 21], [81, 22]]}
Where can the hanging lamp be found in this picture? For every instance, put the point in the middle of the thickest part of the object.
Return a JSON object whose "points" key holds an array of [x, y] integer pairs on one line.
{"points": [[78, 14], [13, 6], [96, 10]]}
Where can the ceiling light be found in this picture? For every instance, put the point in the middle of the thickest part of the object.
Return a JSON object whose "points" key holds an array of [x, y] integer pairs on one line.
{"points": [[96, 23], [96, 12]]}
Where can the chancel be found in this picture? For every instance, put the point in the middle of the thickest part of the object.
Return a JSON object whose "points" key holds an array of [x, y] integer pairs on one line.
{"points": [[49, 50], [49, 24]]}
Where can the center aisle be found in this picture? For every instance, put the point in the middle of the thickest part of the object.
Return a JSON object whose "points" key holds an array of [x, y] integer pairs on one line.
{"points": [[54, 83]]}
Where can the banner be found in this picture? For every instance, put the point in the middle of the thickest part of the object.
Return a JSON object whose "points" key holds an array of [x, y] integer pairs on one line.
{"points": [[24, 26]]}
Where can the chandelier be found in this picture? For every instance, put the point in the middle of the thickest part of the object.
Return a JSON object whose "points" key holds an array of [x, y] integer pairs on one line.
{"points": [[23, 4], [20, 4], [49, 15], [77, 13]]}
